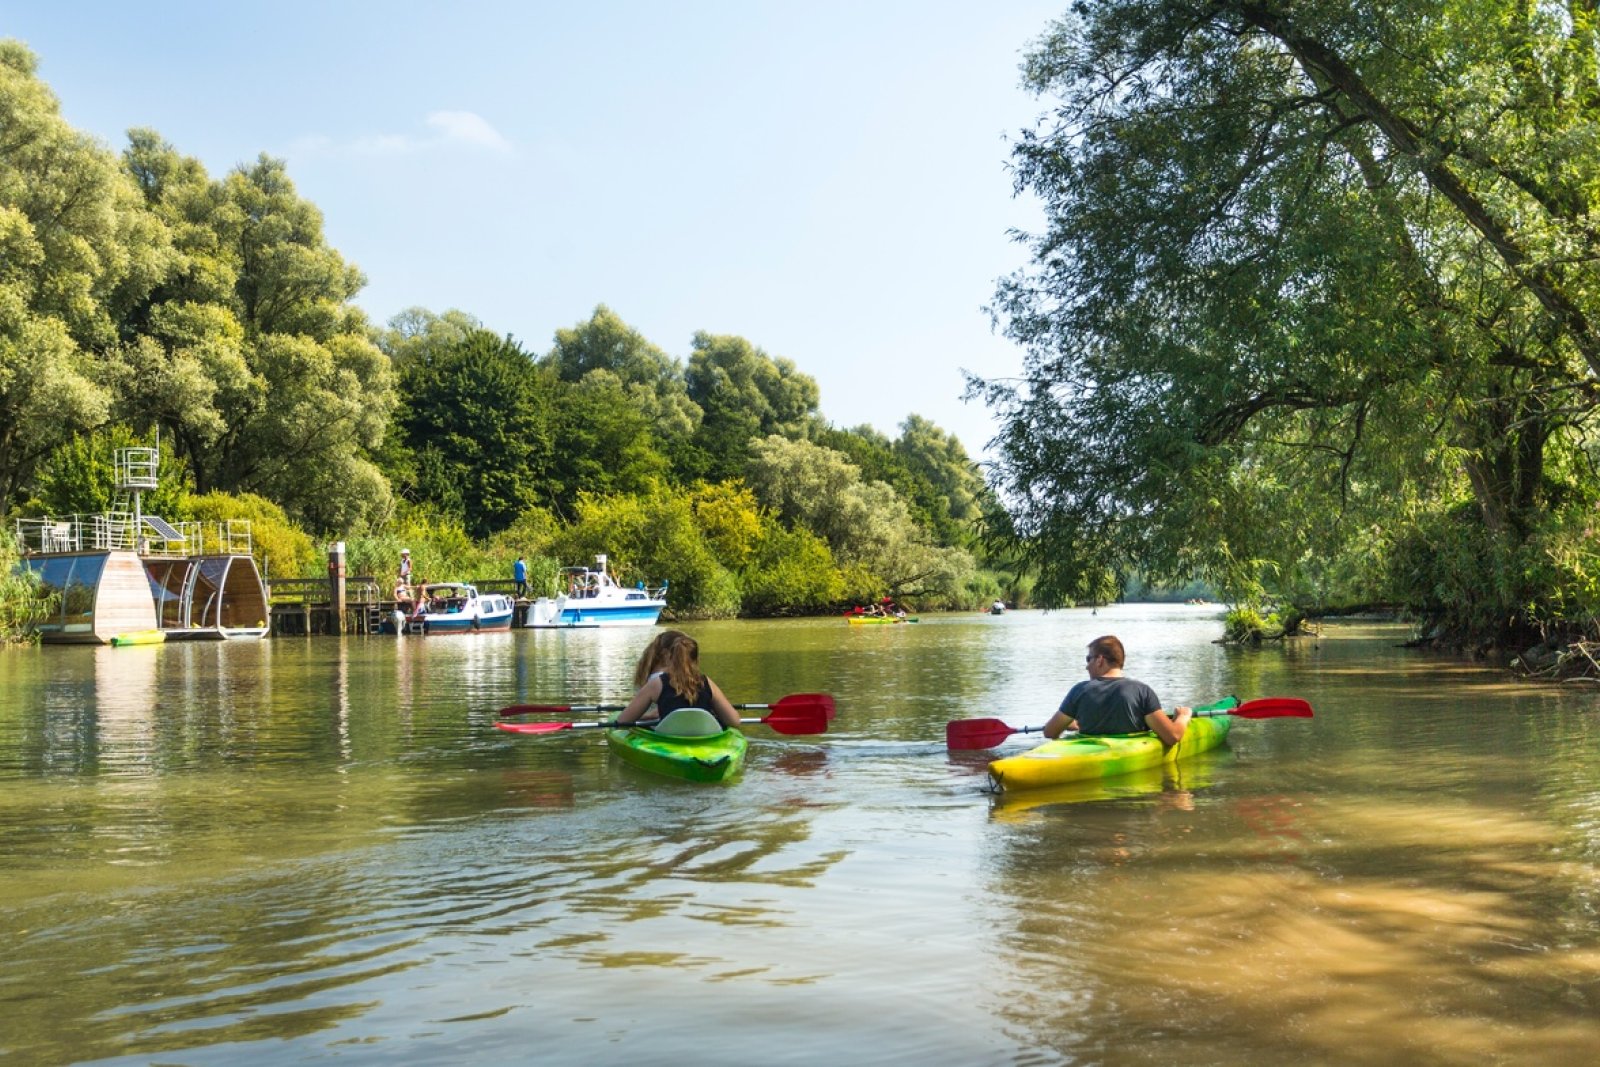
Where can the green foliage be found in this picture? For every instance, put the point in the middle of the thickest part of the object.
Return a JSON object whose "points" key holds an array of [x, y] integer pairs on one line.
{"points": [[654, 382], [653, 538], [78, 477], [281, 549], [75, 250], [1279, 304], [865, 524], [249, 353], [1245, 626], [21, 600], [478, 418], [730, 520], [791, 572], [608, 442], [927, 468], [745, 395]]}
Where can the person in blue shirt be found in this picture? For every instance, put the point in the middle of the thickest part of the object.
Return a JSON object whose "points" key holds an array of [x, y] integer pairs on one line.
{"points": [[1109, 702], [519, 571]]}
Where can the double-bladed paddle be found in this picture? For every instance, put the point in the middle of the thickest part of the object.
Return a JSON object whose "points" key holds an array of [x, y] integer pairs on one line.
{"points": [[987, 733], [803, 718], [793, 704]]}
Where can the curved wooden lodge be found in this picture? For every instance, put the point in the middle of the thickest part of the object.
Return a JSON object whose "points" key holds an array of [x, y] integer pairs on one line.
{"points": [[104, 589]]}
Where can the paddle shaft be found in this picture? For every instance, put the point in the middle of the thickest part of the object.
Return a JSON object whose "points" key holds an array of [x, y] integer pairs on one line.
{"points": [[805, 721], [796, 702]]}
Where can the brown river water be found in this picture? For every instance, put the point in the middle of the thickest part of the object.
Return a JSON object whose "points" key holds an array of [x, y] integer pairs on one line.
{"points": [[320, 850]]}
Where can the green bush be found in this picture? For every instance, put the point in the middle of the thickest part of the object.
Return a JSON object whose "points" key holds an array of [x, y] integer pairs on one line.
{"points": [[791, 573], [281, 549], [652, 538], [21, 602]]}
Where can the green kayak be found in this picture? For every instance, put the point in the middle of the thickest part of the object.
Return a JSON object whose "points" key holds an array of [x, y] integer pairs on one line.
{"points": [[1074, 759], [689, 743]]}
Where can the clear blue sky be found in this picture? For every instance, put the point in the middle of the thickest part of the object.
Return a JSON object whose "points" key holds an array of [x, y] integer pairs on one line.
{"points": [[827, 180]]}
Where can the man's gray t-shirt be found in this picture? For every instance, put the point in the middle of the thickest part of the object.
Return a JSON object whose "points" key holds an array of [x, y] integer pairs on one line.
{"points": [[1110, 705]]}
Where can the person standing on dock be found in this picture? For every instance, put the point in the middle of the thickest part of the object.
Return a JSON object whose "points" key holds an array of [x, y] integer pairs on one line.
{"points": [[405, 565], [519, 571]]}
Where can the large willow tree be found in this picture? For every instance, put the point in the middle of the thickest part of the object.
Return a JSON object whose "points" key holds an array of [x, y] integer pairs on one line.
{"points": [[1312, 273]]}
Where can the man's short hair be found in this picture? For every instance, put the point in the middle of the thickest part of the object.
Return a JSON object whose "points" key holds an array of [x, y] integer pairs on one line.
{"points": [[1110, 648]]}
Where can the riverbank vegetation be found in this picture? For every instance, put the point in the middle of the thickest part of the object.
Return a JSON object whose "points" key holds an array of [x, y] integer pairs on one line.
{"points": [[144, 300], [1315, 312], [20, 597]]}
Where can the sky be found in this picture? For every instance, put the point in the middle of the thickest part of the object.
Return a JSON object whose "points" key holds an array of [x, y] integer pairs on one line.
{"points": [[828, 180]]}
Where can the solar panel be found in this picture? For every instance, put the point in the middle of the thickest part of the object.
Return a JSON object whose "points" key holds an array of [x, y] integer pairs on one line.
{"points": [[162, 528]]}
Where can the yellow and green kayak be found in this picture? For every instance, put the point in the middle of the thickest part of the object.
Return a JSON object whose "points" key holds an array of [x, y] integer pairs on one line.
{"points": [[876, 620], [1074, 759], [688, 744], [139, 637]]}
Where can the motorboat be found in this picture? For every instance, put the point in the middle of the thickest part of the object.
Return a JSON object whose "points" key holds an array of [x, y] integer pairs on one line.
{"points": [[591, 597], [453, 608]]}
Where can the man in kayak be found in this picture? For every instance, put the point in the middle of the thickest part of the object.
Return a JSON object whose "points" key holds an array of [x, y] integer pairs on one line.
{"points": [[1110, 702]]}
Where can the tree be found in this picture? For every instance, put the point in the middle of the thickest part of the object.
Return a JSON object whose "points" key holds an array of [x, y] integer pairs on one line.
{"points": [[745, 395], [479, 420], [864, 524], [790, 572], [608, 441], [653, 380], [415, 335], [947, 486], [76, 250], [1305, 268], [250, 353]]}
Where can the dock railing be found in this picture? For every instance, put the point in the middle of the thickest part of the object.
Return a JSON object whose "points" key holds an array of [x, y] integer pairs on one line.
{"points": [[359, 590]]}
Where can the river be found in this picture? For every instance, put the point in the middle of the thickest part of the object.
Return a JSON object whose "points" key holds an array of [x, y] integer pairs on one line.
{"points": [[319, 850]]}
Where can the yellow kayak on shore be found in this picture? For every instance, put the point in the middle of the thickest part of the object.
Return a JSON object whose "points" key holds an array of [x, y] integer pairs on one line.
{"points": [[139, 637]]}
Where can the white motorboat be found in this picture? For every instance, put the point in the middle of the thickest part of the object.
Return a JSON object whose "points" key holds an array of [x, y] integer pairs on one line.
{"points": [[592, 598]]}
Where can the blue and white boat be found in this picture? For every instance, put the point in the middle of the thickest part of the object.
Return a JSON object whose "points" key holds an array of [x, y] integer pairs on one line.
{"points": [[457, 608], [592, 598]]}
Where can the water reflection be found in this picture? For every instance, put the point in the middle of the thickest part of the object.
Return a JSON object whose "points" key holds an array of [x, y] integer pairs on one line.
{"points": [[308, 848], [1373, 887]]}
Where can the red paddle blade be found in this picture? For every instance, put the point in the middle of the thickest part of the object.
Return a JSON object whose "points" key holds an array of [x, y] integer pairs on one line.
{"points": [[806, 719], [532, 727], [975, 733], [822, 703], [1273, 708]]}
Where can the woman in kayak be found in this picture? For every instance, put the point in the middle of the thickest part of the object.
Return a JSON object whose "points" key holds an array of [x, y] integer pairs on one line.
{"points": [[668, 676], [1110, 702]]}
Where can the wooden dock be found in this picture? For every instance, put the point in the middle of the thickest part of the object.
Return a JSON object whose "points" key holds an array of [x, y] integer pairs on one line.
{"points": [[307, 607]]}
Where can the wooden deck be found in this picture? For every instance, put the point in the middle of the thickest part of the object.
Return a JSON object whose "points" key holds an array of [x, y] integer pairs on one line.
{"points": [[303, 607]]}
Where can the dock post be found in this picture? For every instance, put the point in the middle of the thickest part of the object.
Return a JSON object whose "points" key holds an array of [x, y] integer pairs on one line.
{"points": [[336, 587]]}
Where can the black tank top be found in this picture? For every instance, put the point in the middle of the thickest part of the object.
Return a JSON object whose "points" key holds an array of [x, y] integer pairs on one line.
{"points": [[671, 700]]}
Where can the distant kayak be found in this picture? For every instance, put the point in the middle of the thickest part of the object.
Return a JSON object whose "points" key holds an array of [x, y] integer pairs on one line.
{"points": [[1073, 759], [697, 748]]}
